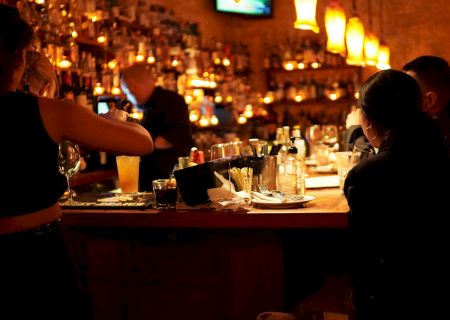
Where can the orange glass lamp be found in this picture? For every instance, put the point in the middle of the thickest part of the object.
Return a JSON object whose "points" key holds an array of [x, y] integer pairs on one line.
{"points": [[383, 50], [335, 21], [371, 45], [306, 15], [354, 38], [383, 56]]}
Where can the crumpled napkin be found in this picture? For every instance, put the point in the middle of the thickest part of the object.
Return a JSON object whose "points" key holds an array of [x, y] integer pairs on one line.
{"points": [[221, 200], [266, 199], [229, 200]]}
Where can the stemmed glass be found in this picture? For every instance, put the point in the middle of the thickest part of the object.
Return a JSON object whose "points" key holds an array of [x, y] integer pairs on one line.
{"points": [[329, 134], [68, 163]]}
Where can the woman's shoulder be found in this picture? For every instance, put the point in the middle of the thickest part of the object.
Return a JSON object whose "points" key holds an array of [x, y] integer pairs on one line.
{"points": [[19, 96], [372, 165]]}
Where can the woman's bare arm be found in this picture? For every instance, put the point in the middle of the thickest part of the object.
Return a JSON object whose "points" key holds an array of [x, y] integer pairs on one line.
{"points": [[68, 120]]}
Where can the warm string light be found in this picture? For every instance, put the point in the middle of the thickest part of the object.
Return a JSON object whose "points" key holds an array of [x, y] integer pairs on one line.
{"points": [[242, 119], [214, 120], [248, 112], [112, 64], [65, 63], [101, 39], [98, 89], [151, 59], [116, 91]]}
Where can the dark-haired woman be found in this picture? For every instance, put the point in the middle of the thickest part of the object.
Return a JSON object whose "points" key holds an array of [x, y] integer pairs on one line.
{"points": [[399, 202], [36, 277]]}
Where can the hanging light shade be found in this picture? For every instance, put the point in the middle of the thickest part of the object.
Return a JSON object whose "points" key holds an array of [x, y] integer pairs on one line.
{"points": [[383, 56], [354, 38], [371, 45], [306, 15], [335, 21], [383, 50]]}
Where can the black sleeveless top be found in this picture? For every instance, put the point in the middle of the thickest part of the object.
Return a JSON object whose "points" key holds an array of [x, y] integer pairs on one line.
{"points": [[30, 180]]}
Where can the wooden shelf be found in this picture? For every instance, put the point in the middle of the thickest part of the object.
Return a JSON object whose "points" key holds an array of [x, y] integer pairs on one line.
{"points": [[341, 68], [314, 102]]}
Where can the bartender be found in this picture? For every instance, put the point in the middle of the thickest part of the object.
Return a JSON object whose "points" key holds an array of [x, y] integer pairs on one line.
{"points": [[166, 117]]}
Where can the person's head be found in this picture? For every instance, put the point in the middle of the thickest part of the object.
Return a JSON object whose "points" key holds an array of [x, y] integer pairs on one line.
{"points": [[389, 101], [39, 78], [15, 38], [137, 83], [433, 75]]}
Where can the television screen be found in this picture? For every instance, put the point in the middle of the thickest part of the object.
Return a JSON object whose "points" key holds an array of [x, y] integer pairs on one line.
{"points": [[102, 107], [248, 7]]}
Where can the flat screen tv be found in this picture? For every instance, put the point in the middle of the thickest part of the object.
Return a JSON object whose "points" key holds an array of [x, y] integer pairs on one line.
{"points": [[261, 8]]}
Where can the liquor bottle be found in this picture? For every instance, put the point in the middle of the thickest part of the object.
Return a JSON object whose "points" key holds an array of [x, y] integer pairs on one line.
{"points": [[66, 90], [287, 178]]}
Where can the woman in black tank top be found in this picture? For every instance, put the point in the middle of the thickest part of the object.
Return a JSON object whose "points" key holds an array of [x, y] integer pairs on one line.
{"points": [[37, 277]]}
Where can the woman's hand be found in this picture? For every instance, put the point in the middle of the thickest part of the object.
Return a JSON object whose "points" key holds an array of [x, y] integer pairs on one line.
{"points": [[118, 115], [353, 118]]}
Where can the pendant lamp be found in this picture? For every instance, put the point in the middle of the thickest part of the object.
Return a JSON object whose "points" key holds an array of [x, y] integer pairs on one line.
{"points": [[335, 21], [371, 47], [383, 51], [354, 38], [371, 42], [383, 56], [306, 15]]}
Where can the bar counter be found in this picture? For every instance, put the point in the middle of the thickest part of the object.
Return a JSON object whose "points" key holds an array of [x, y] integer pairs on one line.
{"points": [[328, 210], [196, 264]]}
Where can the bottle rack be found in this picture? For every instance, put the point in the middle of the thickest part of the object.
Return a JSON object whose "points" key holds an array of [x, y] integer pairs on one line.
{"points": [[92, 40], [308, 85]]}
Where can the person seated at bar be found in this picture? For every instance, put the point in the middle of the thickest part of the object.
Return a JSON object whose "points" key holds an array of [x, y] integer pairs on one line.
{"points": [[37, 279], [398, 201], [354, 138], [433, 75], [166, 117]]}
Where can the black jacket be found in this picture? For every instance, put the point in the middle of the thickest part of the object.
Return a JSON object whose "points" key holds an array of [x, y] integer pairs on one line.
{"points": [[399, 201], [165, 114]]}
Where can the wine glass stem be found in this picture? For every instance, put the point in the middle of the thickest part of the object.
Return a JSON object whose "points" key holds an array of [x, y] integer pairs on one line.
{"points": [[69, 193]]}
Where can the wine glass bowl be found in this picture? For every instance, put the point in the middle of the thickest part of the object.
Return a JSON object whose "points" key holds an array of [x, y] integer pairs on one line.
{"points": [[329, 134], [69, 159]]}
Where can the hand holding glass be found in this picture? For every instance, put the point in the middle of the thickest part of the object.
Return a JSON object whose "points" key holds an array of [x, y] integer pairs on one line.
{"points": [[68, 163], [345, 161]]}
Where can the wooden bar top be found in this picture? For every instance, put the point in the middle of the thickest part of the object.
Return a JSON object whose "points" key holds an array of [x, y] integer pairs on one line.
{"points": [[84, 178], [328, 210]]}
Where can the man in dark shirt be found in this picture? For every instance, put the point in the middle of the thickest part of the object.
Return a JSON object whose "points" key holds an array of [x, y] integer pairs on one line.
{"points": [[433, 75], [165, 117]]}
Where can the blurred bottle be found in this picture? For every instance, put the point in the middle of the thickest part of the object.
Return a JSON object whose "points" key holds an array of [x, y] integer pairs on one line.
{"points": [[287, 175]]}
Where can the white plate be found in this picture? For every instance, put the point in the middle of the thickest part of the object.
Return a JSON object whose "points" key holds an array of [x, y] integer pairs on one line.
{"points": [[284, 205], [322, 182], [324, 169], [311, 162]]}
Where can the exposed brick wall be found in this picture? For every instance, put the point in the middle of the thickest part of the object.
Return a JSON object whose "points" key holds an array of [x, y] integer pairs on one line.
{"points": [[411, 27]]}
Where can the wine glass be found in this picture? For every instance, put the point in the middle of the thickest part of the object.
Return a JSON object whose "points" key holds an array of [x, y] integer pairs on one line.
{"points": [[313, 136], [329, 134], [69, 159]]}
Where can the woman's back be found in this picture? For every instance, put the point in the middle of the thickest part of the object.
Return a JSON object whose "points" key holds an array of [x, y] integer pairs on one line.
{"points": [[398, 201], [29, 159]]}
